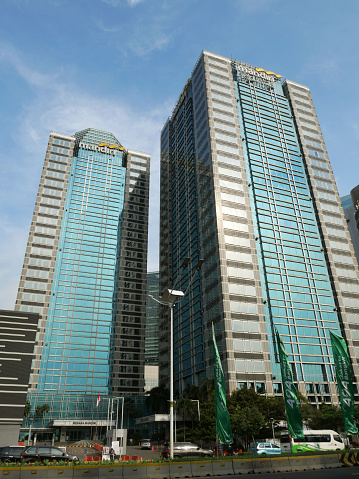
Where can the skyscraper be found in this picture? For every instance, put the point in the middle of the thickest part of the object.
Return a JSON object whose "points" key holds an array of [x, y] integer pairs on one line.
{"points": [[85, 268], [152, 332], [349, 203], [246, 184]]}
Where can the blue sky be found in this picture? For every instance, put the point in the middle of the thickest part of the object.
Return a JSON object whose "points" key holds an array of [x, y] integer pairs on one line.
{"points": [[120, 65]]}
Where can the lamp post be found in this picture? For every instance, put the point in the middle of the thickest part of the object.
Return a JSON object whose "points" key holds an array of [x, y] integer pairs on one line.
{"points": [[272, 421], [197, 401], [169, 298]]}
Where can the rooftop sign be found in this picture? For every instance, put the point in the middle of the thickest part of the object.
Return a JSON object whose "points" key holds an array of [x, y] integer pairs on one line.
{"points": [[101, 148]]}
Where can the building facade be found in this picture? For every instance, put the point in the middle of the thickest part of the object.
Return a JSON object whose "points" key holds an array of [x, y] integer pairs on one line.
{"points": [[350, 210], [152, 332], [17, 341], [246, 184], [85, 268]]}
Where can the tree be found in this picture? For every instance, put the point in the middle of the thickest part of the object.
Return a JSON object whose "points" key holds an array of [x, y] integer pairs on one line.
{"points": [[158, 399], [27, 409], [41, 410], [130, 410], [206, 390], [309, 412], [328, 417], [189, 408], [205, 429], [245, 397], [191, 392], [247, 422]]}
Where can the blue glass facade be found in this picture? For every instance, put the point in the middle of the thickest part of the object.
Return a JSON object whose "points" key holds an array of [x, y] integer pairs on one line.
{"points": [[80, 321], [268, 223], [85, 274], [296, 287], [189, 366]]}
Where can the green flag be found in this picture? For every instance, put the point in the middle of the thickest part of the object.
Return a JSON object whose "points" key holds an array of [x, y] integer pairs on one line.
{"points": [[223, 423], [345, 383], [292, 409]]}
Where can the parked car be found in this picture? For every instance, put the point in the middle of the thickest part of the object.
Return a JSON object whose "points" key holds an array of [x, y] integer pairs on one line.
{"points": [[50, 453], [145, 444], [11, 453], [264, 448], [185, 449]]}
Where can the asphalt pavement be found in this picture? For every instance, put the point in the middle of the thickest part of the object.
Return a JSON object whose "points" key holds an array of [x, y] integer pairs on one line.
{"points": [[341, 473]]}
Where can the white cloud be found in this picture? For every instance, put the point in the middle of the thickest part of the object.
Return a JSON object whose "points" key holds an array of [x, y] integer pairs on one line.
{"points": [[12, 252], [133, 3], [251, 7], [145, 30], [60, 106], [144, 43], [355, 127], [117, 3]]}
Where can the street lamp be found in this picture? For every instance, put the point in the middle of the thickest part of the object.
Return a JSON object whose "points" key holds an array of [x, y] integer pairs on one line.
{"points": [[110, 413], [272, 421], [197, 401], [169, 298]]}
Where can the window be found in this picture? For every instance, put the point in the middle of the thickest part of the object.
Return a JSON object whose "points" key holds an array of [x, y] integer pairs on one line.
{"points": [[57, 141]]}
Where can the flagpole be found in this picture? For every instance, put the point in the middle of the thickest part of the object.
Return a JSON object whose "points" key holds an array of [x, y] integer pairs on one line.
{"points": [[223, 421], [171, 386]]}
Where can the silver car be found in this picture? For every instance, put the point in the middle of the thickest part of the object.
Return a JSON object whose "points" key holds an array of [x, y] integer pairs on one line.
{"points": [[185, 449], [145, 444]]}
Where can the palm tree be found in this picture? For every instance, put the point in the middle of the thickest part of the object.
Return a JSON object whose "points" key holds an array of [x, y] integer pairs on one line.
{"points": [[158, 399], [27, 409], [131, 410], [188, 408], [206, 389]]}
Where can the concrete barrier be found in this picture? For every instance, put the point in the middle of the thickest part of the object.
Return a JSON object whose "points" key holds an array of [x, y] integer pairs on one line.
{"points": [[180, 469], [262, 465], [108, 472], [281, 464], [331, 462], [242, 466], [222, 468], [64, 472], [157, 471], [314, 462], [297, 463], [135, 471], [202, 469], [87, 472], [10, 472], [34, 472]]}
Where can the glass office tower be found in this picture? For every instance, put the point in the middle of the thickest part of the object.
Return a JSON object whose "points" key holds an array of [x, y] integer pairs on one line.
{"points": [[246, 184], [85, 267], [152, 332]]}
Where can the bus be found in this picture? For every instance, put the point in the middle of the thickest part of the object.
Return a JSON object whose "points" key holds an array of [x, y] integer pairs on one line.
{"points": [[314, 440]]}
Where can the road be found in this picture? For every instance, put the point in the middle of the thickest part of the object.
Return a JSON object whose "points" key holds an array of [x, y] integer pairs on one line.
{"points": [[341, 473]]}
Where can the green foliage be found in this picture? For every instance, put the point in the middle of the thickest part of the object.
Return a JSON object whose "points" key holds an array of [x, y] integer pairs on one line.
{"points": [[327, 417], [41, 410], [247, 422], [27, 409], [158, 399]]}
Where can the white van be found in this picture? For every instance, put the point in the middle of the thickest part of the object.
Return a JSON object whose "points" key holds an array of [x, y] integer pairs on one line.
{"points": [[314, 440]]}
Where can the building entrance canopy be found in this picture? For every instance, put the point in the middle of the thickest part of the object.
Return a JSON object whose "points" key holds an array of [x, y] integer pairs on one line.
{"points": [[60, 422]]}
